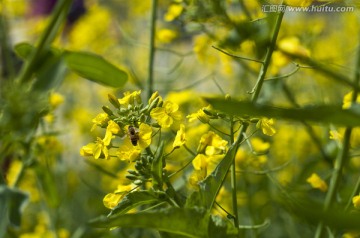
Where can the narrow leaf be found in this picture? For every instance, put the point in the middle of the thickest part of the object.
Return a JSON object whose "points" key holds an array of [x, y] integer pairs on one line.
{"points": [[157, 168], [95, 68], [210, 187], [24, 50], [135, 199], [335, 218], [57, 19], [319, 114], [12, 202], [49, 69], [186, 222]]}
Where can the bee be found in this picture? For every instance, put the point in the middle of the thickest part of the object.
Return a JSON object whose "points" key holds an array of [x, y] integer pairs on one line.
{"points": [[134, 135]]}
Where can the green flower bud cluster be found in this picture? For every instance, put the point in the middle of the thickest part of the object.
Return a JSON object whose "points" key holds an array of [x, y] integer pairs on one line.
{"points": [[130, 110], [142, 173]]}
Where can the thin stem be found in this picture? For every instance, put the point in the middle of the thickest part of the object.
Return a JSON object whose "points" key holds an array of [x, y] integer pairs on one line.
{"points": [[254, 98], [267, 59], [343, 156], [308, 127], [355, 191], [45, 39], [229, 215], [8, 67], [150, 82], [233, 179], [238, 57]]}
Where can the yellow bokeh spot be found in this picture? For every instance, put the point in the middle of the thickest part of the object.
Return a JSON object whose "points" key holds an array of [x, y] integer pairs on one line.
{"points": [[316, 182], [173, 12], [166, 35]]}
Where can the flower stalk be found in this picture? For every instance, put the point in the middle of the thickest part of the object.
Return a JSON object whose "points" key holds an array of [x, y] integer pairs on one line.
{"points": [[257, 89], [150, 82], [343, 156]]}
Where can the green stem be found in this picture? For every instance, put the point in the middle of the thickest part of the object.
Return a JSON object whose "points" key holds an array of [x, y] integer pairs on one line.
{"points": [[150, 82], [57, 18], [8, 67], [254, 98], [233, 180], [355, 191], [343, 156], [267, 59]]}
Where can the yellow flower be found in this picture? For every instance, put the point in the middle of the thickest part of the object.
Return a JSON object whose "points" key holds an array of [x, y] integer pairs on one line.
{"points": [[173, 12], [154, 96], [87, 150], [203, 165], [347, 101], [196, 177], [356, 201], [166, 35], [98, 149], [316, 182], [200, 162], [200, 115], [113, 128], [55, 99], [166, 114], [212, 144], [14, 171], [128, 152], [145, 134], [180, 137], [100, 120], [112, 199], [266, 125], [335, 135], [130, 98]]}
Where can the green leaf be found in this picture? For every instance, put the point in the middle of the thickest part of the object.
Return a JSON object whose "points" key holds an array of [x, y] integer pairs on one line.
{"points": [[49, 69], [24, 50], [51, 74], [186, 222], [95, 68], [319, 114], [211, 185], [157, 168], [313, 213], [12, 202], [135, 199]]}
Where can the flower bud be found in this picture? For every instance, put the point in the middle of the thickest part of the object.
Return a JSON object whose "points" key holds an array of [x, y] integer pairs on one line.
{"points": [[114, 101], [138, 182], [107, 110], [132, 172], [131, 177], [154, 104]]}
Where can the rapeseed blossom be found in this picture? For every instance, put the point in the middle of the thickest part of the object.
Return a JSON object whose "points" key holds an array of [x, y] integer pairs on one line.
{"points": [[266, 126], [167, 114], [180, 137]]}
